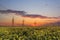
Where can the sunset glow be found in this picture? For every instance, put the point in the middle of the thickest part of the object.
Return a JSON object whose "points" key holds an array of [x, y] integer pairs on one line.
{"points": [[7, 20], [29, 12]]}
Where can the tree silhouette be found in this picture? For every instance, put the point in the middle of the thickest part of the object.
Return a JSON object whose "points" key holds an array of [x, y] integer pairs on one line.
{"points": [[13, 21], [23, 22], [35, 23]]}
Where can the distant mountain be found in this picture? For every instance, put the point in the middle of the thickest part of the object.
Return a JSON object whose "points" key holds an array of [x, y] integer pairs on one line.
{"points": [[53, 24], [57, 23]]}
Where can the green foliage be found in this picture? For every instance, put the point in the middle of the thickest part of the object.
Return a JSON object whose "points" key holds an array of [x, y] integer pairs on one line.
{"points": [[29, 33]]}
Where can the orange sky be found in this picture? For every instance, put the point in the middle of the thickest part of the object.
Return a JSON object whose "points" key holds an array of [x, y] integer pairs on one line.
{"points": [[7, 20]]}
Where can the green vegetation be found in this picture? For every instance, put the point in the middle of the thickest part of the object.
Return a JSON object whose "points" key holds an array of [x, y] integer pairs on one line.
{"points": [[29, 33]]}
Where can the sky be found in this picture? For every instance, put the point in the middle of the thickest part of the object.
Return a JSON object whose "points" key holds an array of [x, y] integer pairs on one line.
{"points": [[48, 8]]}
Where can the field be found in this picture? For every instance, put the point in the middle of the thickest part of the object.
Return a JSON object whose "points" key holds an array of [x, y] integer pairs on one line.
{"points": [[29, 33]]}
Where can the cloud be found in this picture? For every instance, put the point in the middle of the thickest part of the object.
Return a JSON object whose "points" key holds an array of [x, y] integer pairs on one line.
{"points": [[34, 16], [23, 14], [12, 11]]}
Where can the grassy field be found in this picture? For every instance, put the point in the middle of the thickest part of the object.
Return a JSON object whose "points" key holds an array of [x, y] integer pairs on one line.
{"points": [[29, 33]]}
